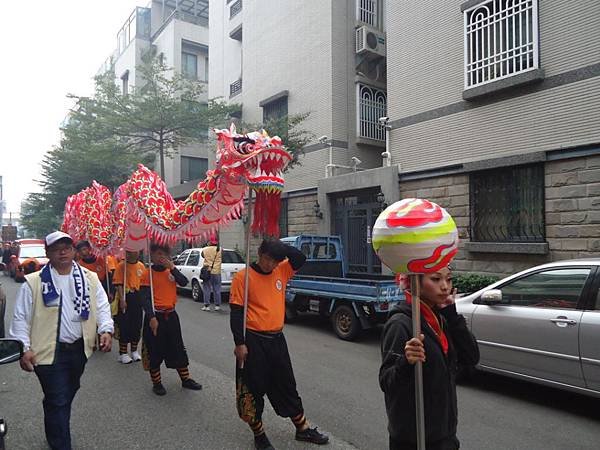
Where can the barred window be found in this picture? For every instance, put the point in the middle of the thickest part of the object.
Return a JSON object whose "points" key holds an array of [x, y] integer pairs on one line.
{"points": [[501, 40], [372, 104], [277, 109], [367, 11], [507, 205]]}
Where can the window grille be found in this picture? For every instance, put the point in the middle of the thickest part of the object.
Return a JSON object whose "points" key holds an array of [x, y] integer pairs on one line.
{"points": [[367, 11], [277, 109], [193, 168], [372, 104], [501, 40], [235, 88], [235, 9], [507, 205]]}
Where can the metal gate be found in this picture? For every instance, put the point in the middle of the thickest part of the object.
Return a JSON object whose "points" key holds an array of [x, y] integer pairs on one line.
{"points": [[354, 216]]}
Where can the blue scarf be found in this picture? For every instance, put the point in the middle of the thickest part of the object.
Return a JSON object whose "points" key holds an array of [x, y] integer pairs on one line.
{"points": [[82, 290]]}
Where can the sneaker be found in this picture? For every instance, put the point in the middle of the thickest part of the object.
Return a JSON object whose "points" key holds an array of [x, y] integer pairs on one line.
{"points": [[159, 389], [206, 308], [125, 359], [191, 384], [217, 308], [135, 356], [261, 442], [312, 435]]}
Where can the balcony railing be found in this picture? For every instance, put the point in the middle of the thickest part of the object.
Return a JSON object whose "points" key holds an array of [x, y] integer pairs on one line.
{"points": [[235, 9], [235, 88], [372, 104]]}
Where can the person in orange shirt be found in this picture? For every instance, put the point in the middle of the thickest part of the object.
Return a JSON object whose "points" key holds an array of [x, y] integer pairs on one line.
{"points": [[262, 348], [129, 318], [97, 265], [162, 329]]}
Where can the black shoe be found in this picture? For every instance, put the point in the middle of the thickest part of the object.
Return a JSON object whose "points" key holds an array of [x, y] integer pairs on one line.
{"points": [[312, 435], [261, 442], [159, 389], [191, 384]]}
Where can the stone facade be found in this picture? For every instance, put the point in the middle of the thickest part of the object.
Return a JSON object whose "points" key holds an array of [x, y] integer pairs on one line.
{"points": [[572, 203], [301, 215]]}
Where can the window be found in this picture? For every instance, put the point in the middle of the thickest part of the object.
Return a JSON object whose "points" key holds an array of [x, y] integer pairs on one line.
{"points": [[189, 65], [501, 40], [324, 251], [235, 9], [372, 104], [366, 12], [194, 258], [231, 257], [283, 218], [277, 109], [180, 260], [193, 168], [235, 88], [559, 288], [125, 82], [507, 205]]}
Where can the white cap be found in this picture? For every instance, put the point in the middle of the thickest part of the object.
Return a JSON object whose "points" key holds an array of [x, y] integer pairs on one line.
{"points": [[56, 236]]}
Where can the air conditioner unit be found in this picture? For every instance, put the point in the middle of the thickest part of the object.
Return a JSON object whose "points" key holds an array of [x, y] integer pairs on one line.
{"points": [[369, 40]]}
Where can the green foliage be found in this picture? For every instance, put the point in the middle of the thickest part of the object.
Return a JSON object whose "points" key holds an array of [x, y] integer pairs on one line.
{"points": [[108, 134], [472, 282], [37, 216]]}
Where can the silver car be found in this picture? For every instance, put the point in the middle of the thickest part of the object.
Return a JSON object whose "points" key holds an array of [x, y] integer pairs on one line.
{"points": [[541, 325]]}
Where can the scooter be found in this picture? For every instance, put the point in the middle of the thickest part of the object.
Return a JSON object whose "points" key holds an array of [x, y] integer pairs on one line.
{"points": [[10, 350]]}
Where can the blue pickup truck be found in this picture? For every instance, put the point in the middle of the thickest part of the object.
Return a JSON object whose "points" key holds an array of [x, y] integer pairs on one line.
{"points": [[324, 286]]}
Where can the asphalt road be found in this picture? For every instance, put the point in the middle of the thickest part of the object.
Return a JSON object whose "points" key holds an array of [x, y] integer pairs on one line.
{"points": [[337, 380]]}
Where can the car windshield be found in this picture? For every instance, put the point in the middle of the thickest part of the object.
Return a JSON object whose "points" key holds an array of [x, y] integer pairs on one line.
{"points": [[32, 251]]}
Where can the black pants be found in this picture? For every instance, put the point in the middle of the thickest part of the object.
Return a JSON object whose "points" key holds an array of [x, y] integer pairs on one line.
{"points": [[130, 321], [451, 443], [60, 383], [167, 345], [268, 370]]}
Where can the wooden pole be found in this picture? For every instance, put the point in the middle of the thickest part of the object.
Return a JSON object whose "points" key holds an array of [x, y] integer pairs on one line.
{"points": [[419, 402]]}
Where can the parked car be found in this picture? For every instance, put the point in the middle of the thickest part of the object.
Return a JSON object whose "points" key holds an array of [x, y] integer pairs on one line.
{"points": [[541, 325], [28, 250], [10, 350], [190, 261], [323, 285]]}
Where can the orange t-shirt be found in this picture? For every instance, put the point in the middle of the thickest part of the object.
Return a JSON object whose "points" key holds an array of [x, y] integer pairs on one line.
{"points": [[266, 296], [134, 275], [98, 266], [164, 287], [112, 263]]}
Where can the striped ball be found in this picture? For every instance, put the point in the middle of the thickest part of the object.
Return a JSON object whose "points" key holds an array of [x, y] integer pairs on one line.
{"points": [[415, 236]]}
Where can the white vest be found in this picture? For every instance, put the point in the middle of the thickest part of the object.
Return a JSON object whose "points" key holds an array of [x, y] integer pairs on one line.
{"points": [[44, 321]]}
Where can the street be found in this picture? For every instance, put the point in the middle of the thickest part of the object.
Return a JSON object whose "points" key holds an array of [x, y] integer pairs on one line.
{"points": [[337, 381]]}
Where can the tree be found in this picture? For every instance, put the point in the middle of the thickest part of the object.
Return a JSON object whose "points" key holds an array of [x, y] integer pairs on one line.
{"points": [[162, 114], [38, 218]]}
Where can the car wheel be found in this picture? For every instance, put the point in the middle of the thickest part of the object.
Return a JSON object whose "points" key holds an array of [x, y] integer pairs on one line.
{"points": [[345, 323], [196, 291]]}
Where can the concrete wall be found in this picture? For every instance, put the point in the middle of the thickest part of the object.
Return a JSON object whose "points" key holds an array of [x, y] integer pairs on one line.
{"points": [[425, 72]]}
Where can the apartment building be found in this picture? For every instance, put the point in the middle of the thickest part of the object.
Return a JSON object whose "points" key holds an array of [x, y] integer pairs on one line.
{"points": [[495, 115], [326, 58], [177, 30]]}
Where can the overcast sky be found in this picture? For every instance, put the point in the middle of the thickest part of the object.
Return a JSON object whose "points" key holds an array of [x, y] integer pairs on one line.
{"points": [[49, 49]]}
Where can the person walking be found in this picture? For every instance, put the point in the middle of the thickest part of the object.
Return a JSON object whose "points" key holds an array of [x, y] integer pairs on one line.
{"points": [[445, 342], [162, 329], [213, 258], [262, 349], [57, 312], [96, 264], [130, 315], [6, 254]]}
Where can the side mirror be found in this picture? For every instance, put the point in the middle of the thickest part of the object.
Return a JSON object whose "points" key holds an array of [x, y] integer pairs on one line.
{"points": [[10, 350], [491, 297]]}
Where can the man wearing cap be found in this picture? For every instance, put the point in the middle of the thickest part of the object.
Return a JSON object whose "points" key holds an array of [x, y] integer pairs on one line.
{"points": [[56, 315]]}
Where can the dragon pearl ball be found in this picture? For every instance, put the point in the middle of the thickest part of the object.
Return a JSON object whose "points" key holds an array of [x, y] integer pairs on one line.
{"points": [[415, 236]]}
